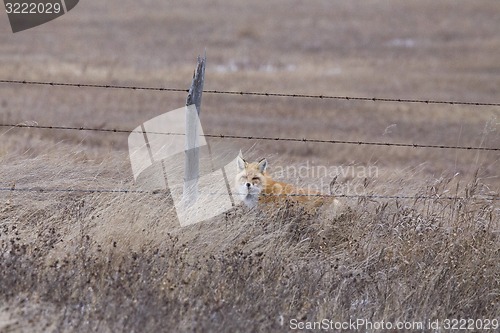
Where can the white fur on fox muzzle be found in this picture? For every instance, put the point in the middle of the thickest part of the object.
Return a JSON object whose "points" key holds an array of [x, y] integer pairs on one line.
{"points": [[248, 194]]}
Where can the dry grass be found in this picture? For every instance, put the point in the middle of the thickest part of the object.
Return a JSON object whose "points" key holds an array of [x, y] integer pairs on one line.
{"points": [[120, 262], [102, 263], [107, 262]]}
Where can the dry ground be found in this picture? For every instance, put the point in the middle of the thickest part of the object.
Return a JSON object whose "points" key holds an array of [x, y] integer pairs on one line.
{"points": [[120, 262]]}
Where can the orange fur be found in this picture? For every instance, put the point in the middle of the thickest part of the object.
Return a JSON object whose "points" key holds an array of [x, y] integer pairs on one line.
{"points": [[256, 186]]}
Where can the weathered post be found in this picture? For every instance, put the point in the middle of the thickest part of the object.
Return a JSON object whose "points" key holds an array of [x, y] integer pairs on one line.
{"points": [[192, 161]]}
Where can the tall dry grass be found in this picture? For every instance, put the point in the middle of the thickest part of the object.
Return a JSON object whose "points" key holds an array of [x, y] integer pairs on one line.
{"points": [[119, 262]]}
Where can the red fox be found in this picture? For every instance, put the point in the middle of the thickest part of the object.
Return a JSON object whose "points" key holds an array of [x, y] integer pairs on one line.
{"points": [[254, 185]]}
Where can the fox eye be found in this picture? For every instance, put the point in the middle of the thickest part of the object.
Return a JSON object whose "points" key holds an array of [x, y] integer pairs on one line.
{"points": [[255, 179]]}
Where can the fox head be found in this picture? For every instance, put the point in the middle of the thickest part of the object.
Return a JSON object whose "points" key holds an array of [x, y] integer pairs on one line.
{"points": [[250, 180]]}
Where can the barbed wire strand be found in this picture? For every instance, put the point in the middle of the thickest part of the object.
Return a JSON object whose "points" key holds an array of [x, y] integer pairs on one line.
{"points": [[223, 136], [248, 93], [43, 190], [229, 136]]}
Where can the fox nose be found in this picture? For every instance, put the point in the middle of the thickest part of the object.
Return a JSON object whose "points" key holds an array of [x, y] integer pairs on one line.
{"points": [[248, 185]]}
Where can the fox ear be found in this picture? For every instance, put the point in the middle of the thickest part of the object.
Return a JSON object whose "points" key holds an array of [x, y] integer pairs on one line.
{"points": [[241, 163], [262, 165], [240, 154]]}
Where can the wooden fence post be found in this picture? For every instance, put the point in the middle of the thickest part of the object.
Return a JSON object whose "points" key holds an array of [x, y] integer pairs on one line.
{"points": [[192, 162]]}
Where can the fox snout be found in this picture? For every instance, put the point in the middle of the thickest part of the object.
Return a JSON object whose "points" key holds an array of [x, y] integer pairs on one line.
{"points": [[248, 189], [248, 193]]}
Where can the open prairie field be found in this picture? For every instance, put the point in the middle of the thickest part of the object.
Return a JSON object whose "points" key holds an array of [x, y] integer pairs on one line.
{"points": [[417, 242]]}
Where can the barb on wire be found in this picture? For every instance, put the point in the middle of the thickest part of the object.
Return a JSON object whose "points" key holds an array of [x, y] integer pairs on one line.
{"points": [[229, 136], [47, 190], [249, 93]]}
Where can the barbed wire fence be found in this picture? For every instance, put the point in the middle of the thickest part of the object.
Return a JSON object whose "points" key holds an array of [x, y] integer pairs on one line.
{"points": [[47, 190], [13, 188], [247, 93], [230, 136]]}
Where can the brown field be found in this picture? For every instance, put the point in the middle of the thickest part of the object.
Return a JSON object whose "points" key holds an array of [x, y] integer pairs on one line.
{"points": [[112, 262]]}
